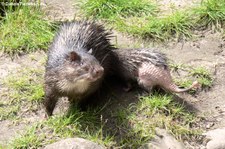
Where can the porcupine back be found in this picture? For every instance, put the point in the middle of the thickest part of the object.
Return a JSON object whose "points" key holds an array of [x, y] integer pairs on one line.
{"points": [[149, 68], [81, 36], [130, 60]]}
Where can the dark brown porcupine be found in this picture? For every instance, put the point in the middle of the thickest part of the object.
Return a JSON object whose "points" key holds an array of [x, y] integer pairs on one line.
{"points": [[78, 60]]}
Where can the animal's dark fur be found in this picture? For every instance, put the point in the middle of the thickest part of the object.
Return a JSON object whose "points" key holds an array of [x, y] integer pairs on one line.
{"points": [[148, 68], [130, 60], [78, 59]]}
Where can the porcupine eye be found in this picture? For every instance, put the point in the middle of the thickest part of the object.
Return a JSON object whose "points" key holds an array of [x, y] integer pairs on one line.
{"points": [[73, 56]]}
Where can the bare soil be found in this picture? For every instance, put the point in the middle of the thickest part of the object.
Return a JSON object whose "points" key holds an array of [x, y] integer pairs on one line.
{"points": [[209, 52], [207, 49]]}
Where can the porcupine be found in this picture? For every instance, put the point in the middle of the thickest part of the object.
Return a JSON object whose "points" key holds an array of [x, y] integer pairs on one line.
{"points": [[148, 68], [78, 59]]}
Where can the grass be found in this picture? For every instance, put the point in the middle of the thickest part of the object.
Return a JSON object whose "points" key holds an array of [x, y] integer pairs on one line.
{"points": [[87, 125], [122, 127], [177, 25], [141, 119], [143, 18], [25, 90], [24, 30], [211, 13], [136, 22], [126, 127], [29, 139], [203, 76], [27, 86], [111, 9]]}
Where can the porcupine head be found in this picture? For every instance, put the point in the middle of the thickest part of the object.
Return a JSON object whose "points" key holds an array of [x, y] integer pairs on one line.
{"points": [[82, 73]]}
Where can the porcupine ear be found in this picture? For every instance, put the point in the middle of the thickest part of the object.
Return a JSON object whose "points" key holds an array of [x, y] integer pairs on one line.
{"points": [[90, 51], [73, 56]]}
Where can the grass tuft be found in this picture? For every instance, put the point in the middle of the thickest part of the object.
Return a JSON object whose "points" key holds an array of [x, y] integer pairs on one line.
{"points": [[177, 25], [136, 124], [28, 85], [142, 18], [110, 9], [24, 30], [211, 12], [29, 139], [88, 125], [128, 127], [25, 90], [203, 76]]}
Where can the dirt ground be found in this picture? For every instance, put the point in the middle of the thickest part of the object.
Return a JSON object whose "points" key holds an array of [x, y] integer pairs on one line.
{"points": [[208, 50]]}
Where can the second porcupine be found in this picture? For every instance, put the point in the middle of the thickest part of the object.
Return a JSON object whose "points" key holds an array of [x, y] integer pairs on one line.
{"points": [[148, 67], [78, 59]]}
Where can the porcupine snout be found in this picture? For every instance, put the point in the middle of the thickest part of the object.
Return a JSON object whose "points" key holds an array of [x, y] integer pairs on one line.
{"points": [[96, 73]]}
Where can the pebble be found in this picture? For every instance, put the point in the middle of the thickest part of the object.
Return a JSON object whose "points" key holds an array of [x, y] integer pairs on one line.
{"points": [[163, 140], [216, 138]]}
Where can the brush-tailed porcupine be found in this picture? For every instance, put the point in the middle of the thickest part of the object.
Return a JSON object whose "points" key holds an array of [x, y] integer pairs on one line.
{"points": [[148, 67], [78, 59]]}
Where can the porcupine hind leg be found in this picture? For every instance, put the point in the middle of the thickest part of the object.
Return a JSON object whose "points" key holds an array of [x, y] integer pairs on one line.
{"points": [[128, 86], [145, 83], [146, 77], [151, 76]]}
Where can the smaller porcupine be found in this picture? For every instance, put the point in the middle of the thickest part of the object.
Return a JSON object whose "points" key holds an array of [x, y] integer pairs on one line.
{"points": [[148, 67], [78, 60]]}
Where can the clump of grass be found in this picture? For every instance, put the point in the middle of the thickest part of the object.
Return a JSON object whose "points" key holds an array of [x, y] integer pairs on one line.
{"points": [[140, 18], [110, 9], [133, 126], [203, 76], [171, 114], [138, 122], [177, 25], [175, 66], [88, 125], [24, 89], [26, 86], [29, 140], [24, 30], [185, 83], [8, 111], [210, 12]]}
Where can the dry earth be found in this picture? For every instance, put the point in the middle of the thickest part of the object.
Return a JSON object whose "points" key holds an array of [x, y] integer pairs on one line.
{"points": [[208, 50]]}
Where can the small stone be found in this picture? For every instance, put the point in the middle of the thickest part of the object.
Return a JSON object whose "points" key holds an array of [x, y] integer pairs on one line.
{"points": [[216, 138], [209, 125], [163, 140], [219, 119], [74, 143]]}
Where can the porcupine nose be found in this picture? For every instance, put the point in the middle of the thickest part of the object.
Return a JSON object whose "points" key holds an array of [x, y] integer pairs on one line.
{"points": [[98, 72]]}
